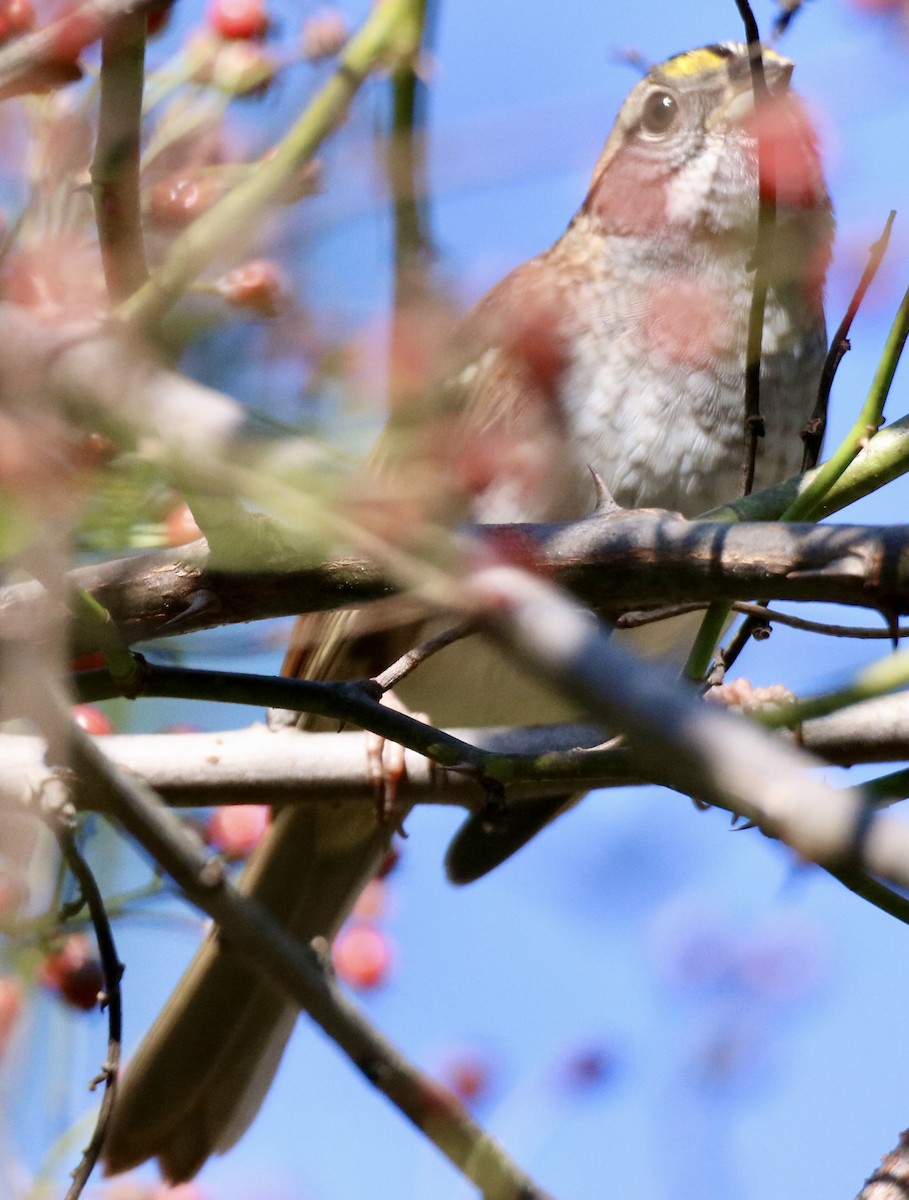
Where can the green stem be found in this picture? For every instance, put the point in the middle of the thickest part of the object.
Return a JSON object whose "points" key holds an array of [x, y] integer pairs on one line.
{"points": [[807, 505], [709, 633], [106, 636], [820, 494]]}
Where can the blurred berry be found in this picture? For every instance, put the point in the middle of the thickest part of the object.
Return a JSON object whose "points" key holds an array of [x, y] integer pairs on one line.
{"points": [[95, 450], [324, 34], [92, 719], [74, 973], [257, 285], [239, 18], [127, 1187], [793, 175], [16, 17], [372, 902], [237, 829], [60, 276], [242, 69], [179, 1191], [362, 956], [469, 1074], [587, 1068], [178, 200], [11, 999], [692, 945], [875, 7], [180, 526], [785, 959]]}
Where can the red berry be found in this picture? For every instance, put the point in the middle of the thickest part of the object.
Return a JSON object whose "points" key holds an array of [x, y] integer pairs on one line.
{"points": [[74, 972], [92, 719], [16, 17], [239, 18], [237, 829], [258, 285], [180, 526], [82, 987], [362, 956], [469, 1076]]}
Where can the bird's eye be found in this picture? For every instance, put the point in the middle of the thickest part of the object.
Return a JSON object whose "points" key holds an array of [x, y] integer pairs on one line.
{"points": [[660, 112]]}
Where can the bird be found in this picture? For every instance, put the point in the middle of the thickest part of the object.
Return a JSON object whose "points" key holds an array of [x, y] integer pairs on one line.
{"points": [[622, 349]]}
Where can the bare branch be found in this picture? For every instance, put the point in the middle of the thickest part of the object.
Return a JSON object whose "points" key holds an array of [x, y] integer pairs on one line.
{"points": [[707, 754], [297, 970], [612, 564], [60, 818]]}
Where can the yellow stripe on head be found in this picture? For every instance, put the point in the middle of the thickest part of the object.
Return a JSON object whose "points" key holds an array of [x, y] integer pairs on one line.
{"points": [[708, 58]]}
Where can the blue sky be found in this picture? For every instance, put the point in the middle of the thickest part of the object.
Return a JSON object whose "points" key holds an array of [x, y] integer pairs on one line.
{"points": [[753, 1009]]}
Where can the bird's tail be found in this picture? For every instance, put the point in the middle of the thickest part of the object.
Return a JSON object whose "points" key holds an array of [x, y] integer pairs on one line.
{"points": [[198, 1078]]}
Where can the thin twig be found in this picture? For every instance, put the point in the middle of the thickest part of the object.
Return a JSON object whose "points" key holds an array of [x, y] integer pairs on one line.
{"points": [[406, 164], [112, 970], [717, 615], [813, 433], [392, 676], [765, 615], [728, 655], [863, 885], [763, 249], [808, 504], [347, 702], [789, 10]]}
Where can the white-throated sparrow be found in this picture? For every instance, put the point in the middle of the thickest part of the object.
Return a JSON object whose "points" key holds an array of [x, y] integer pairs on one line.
{"points": [[621, 348]]}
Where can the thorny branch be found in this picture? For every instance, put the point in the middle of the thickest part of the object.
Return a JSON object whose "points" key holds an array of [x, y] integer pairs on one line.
{"points": [[813, 433], [253, 934], [763, 250], [614, 565], [61, 822]]}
